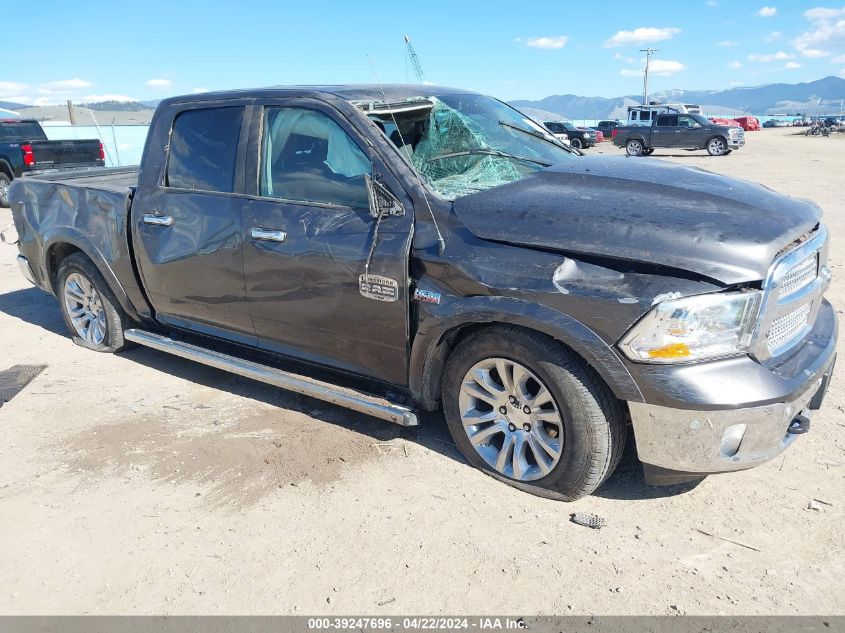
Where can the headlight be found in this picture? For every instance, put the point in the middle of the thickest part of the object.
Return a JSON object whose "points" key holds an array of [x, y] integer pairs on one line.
{"points": [[694, 328]]}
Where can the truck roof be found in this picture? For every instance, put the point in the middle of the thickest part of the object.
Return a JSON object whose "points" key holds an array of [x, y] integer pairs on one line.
{"points": [[349, 92]]}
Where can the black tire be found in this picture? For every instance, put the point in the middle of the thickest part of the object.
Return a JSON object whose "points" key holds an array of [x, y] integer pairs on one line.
{"points": [[717, 146], [648, 151], [594, 421], [5, 182], [115, 318], [634, 147], [576, 143]]}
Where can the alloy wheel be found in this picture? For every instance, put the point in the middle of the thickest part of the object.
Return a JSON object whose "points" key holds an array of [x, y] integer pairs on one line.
{"points": [[511, 419], [85, 309]]}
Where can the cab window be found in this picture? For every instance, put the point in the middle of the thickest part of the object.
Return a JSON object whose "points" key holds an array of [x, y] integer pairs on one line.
{"points": [[307, 157], [667, 120], [203, 149]]}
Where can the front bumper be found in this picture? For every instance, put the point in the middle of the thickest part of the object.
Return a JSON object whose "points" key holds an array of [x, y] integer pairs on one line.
{"points": [[673, 441], [736, 143]]}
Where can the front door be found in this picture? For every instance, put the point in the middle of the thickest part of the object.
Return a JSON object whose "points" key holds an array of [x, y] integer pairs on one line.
{"points": [[308, 235], [690, 132], [188, 226]]}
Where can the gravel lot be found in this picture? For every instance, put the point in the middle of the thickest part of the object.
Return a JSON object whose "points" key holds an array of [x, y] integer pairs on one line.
{"points": [[141, 483]]}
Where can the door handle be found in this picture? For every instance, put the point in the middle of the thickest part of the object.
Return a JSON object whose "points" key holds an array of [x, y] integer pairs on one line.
{"points": [[268, 235], [158, 220]]}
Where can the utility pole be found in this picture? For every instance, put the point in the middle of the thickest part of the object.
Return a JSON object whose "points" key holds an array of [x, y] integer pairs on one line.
{"points": [[70, 112], [648, 53]]}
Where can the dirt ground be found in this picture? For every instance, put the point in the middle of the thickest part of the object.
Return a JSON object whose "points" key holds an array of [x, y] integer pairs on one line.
{"points": [[142, 483]]}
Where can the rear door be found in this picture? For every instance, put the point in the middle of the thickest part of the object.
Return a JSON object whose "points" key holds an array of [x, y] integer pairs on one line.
{"points": [[665, 131], [308, 235], [187, 216]]}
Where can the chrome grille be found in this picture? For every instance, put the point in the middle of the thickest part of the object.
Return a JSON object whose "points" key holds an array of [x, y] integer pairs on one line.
{"points": [[792, 296], [787, 327], [799, 277]]}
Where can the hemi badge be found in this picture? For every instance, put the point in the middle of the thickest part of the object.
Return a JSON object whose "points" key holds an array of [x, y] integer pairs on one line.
{"points": [[427, 296]]}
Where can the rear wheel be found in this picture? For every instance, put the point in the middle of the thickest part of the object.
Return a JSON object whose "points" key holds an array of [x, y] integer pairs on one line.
{"points": [[648, 151], [634, 147], [5, 183], [717, 146], [526, 411], [91, 311]]}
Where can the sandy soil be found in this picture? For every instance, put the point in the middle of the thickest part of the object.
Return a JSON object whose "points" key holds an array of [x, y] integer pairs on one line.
{"points": [[142, 483]]}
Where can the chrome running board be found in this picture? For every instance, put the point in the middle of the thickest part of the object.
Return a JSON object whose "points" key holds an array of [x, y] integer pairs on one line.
{"points": [[354, 400]]}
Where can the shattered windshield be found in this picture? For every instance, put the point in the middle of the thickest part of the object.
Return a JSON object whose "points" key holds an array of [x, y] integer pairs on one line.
{"points": [[464, 143]]}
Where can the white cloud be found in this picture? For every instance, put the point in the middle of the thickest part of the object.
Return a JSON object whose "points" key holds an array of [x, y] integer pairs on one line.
{"points": [[828, 30], [842, 73], [814, 53], [767, 12], [774, 57], [727, 43], [107, 97], [658, 67], [199, 91], [735, 65], [159, 83], [558, 41], [64, 85], [839, 59], [792, 66], [624, 58], [8, 88], [820, 13], [773, 36], [642, 35]]}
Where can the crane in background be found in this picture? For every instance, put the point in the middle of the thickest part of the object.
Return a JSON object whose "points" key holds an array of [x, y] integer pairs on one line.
{"points": [[415, 61]]}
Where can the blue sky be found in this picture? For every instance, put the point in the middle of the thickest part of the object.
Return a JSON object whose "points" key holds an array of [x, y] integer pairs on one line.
{"points": [[152, 49]]}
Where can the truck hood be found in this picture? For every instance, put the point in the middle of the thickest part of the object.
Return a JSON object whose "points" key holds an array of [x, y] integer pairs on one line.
{"points": [[644, 210]]}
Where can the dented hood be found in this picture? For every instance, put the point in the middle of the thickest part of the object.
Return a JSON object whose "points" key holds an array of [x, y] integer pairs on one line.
{"points": [[644, 210]]}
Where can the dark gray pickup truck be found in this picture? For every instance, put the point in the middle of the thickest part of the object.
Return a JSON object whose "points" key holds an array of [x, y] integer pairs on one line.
{"points": [[679, 131], [401, 248]]}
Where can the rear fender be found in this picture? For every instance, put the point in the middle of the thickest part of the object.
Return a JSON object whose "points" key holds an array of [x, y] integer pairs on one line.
{"points": [[49, 268]]}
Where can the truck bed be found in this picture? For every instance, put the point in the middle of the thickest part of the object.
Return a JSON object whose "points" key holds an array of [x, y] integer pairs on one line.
{"points": [[89, 208], [115, 179]]}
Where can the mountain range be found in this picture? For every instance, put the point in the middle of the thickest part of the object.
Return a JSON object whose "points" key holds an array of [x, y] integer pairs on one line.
{"points": [[826, 96], [767, 99]]}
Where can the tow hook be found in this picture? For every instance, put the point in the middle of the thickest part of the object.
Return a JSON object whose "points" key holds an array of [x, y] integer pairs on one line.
{"points": [[801, 424]]}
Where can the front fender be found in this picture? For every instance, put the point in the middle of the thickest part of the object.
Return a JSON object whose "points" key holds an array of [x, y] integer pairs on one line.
{"points": [[430, 347]]}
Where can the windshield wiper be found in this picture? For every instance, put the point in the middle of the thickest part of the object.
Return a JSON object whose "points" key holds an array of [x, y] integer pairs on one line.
{"points": [[535, 134], [490, 152]]}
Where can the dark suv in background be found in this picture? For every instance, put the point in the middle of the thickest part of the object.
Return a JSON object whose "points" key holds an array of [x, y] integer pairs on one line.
{"points": [[579, 137]]}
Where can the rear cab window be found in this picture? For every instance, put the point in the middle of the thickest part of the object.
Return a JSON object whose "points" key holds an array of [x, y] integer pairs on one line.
{"points": [[667, 120], [204, 149], [13, 131]]}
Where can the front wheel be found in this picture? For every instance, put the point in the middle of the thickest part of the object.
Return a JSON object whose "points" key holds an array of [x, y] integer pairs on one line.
{"points": [[528, 412], [717, 146], [575, 142], [5, 183], [90, 309], [634, 148]]}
